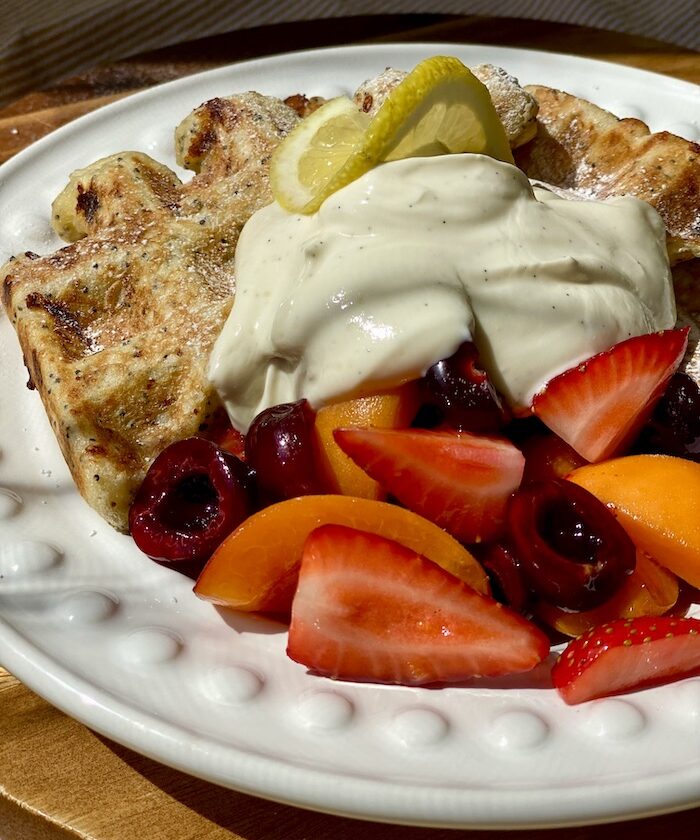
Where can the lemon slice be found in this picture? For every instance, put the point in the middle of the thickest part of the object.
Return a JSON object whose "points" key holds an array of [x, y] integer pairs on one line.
{"points": [[439, 108], [306, 165]]}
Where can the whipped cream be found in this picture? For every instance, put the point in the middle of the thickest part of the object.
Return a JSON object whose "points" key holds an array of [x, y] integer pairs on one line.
{"points": [[401, 266]]}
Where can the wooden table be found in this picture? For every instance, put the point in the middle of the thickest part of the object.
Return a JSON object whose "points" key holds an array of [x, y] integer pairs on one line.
{"points": [[59, 779]]}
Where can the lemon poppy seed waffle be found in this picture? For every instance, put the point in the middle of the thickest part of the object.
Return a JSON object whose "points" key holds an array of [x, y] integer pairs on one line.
{"points": [[583, 148], [589, 153], [116, 328]]}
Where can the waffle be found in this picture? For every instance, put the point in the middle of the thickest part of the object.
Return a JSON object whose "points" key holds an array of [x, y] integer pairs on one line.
{"points": [[583, 148], [515, 107], [116, 328]]}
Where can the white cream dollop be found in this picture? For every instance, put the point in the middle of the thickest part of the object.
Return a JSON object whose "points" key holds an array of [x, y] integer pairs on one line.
{"points": [[401, 266]]}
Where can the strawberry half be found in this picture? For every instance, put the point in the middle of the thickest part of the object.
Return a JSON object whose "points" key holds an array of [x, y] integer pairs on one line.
{"points": [[458, 480], [599, 406], [370, 609], [625, 654]]}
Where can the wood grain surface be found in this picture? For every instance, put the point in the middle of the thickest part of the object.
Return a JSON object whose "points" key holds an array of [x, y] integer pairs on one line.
{"points": [[58, 779]]}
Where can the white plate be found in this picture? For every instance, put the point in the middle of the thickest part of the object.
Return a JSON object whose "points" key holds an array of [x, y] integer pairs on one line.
{"points": [[124, 646]]}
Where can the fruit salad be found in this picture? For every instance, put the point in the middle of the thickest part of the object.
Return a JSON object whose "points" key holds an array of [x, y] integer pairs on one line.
{"points": [[439, 517]]}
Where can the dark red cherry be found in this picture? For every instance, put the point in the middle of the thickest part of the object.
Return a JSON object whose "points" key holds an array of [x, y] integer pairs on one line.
{"points": [[505, 575], [192, 497], [548, 456], [574, 553], [674, 428], [460, 388], [280, 448]]}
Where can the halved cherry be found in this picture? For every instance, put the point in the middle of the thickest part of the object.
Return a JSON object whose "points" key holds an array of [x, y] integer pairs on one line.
{"points": [[649, 590], [193, 495], [573, 551], [674, 427]]}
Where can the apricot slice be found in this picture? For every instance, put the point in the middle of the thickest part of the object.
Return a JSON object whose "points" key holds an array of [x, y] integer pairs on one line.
{"points": [[256, 567], [656, 499], [649, 590], [394, 409]]}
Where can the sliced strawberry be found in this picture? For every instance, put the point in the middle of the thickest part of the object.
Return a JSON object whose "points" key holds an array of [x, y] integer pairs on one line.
{"points": [[458, 480], [370, 609], [625, 654], [599, 406]]}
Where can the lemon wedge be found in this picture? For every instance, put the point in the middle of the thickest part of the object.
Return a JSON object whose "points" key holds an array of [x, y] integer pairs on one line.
{"points": [[439, 108]]}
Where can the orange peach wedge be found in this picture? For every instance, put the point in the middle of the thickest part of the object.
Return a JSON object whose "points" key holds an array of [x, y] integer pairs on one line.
{"points": [[394, 409], [256, 567], [656, 499]]}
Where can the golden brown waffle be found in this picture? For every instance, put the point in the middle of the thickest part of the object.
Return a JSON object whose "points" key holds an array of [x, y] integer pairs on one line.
{"points": [[583, 148], [117, 327]]}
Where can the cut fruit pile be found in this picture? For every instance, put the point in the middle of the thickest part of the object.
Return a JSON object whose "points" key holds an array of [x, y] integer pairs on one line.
{"points": [[496, 531], [439, 108]]}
